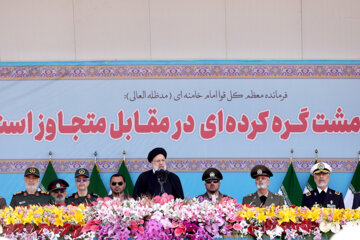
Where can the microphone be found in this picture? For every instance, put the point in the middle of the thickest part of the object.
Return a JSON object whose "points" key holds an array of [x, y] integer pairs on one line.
{"points": [[161, 176]]}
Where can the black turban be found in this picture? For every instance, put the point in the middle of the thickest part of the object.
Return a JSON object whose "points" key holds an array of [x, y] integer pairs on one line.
{"points": [[153, 153]]}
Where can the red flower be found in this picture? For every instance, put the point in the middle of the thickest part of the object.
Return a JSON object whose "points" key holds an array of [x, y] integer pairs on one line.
{"points": [[76, 231], [30, 228], [181, 229]]}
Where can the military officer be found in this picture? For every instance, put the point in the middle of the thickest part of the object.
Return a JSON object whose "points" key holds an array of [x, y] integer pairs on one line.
{"points": [[30, 196], [58, 191], [322, 196], [212, 177], [82, 183], [262, 197]]}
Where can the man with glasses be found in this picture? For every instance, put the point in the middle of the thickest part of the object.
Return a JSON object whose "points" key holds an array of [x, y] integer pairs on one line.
{"points": [[58, 191], [158, 180], [262, 197], [30, 196], [117, 186], [82, 183], [212, 177]]}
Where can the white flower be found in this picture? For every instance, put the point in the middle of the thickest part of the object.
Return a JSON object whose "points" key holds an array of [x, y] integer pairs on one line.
{"points": [[325, 227], [335, 227]]}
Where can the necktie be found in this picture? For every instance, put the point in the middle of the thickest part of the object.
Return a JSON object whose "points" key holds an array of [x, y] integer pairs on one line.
{"points": [[263, 200], [322, 197]]}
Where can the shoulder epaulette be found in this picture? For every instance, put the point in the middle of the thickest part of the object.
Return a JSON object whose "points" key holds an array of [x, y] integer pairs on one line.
{"points": [[249, 195], [72, 195], [337, 193], [308, 194], [44, 192], [276, 194], [95, 195], [18, 193]]}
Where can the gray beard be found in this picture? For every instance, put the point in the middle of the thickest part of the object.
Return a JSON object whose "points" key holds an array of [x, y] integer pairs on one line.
{"points": [[262, 186], [59, 200], [31, 188]]}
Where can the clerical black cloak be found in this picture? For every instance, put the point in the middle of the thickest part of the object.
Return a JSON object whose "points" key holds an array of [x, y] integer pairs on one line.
{"points": [[148, 184]]}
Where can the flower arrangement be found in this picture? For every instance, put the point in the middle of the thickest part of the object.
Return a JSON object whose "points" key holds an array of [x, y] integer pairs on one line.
{"points": [[47, 222], [164, 217]]}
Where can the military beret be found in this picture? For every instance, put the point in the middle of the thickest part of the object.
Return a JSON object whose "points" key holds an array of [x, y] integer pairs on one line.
{"points": [[57, 184], [320, 167], [32, 171], [212, 173], [260, 170], [156, 151], [82, 172]]}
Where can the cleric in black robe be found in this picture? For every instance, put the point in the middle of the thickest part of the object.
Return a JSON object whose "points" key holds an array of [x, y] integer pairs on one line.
{"points": [[158, 180]]}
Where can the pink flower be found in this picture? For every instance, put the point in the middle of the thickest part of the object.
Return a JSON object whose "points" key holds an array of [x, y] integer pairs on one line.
{"points": [[181, 229], [133, 226], [141, 229], [107, 199], [91, 225], [163, 198], [237, 227]]}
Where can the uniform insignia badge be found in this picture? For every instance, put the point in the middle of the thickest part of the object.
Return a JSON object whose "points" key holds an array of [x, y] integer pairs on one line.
{"points": [[212, 174], [308, 194], [259, 172], [337, 193], [32, 170], [82, 171], [331, 205]]}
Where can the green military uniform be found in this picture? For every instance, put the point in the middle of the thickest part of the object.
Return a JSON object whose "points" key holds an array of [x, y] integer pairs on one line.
{"points": [[76, 199], [25, 199], [253, 199]]}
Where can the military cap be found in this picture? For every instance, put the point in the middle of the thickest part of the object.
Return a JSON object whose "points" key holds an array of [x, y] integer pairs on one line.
{"points": [[82, 172], [320, 167], [153, 153], [260, 170], [57, 184], [32, 171], [212, 173]]}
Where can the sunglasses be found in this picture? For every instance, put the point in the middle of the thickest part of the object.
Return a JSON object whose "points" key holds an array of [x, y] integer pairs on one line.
{"points": [[81, 179], [59, 191], [212, 181], [118, 183]]}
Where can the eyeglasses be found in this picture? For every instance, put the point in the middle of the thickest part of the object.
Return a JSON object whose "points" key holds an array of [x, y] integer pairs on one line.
{"points": [[159, 160], [59, 191], [212, 181], [118, 183], [81, 179]]}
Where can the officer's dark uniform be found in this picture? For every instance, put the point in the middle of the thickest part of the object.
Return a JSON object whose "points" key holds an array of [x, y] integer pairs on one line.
{"points": [[211, 174], [254, 199], [57, 184], [75, 198], [329, 199], [25, 199]]}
